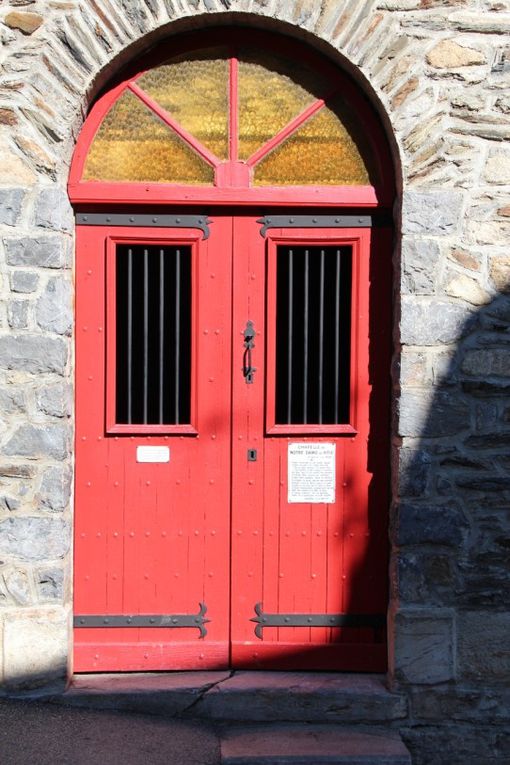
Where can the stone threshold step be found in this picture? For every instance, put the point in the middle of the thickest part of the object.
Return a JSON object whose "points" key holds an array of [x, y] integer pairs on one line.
{"points": [[311, 745], [241, 696]]}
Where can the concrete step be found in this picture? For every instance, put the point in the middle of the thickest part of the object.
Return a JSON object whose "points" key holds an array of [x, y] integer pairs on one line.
{"points": [[242, 696], [311, 745]]}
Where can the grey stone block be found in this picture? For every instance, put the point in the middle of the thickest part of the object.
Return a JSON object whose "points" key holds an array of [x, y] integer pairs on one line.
{"points": [[50, 584], [17, 471], [34, 539], [17, 314], [39, 441], [55, 400], [425, 579], [17, 584], [483, 639], [428, 321], [12, 400], [312, 696], [317, 744], [423, 524], [36, 647], [446, 415], [487, 361], [11, 201], [53, 210], [33, 353], [420, 259], [424, 651], [55, 491], [414, 472], [9, 503], [166, 694], [24, 281], [447, 744], [47, 252], [485, 389], [54, 310], [473, 704], [431, 212]]}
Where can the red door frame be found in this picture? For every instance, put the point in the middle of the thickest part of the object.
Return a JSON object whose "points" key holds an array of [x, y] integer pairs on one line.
{"points": [[231, 184]]}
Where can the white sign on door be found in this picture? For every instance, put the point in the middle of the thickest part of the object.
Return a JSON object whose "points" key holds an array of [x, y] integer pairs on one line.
{"points": [[311, 472], [152, 454]]}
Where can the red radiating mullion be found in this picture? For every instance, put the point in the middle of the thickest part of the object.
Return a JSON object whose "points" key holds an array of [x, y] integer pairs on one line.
{"points": [[198, 147], [233, 116], [285, 132]]}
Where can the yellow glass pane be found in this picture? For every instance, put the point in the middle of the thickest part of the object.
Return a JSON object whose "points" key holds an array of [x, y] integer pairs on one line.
{"points": [[321, 152], [195, 93], [271, 94], [133, 144]]}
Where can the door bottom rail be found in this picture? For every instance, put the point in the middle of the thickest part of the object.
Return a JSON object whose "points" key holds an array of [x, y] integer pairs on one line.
{"points": [[146, 620], [263, 620]]}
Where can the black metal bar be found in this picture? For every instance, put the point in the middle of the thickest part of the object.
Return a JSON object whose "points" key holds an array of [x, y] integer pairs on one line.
{"points": [[289, 335], [146, 220], [306, 299], [146, 620], [130, 338], [337, 334], [321, 337], [145, 333], [177, 330], [324, 221], [374, 621], [161, 331]]}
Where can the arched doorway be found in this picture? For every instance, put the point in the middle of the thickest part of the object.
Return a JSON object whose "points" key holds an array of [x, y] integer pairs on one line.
{"points": [[232, 364]]}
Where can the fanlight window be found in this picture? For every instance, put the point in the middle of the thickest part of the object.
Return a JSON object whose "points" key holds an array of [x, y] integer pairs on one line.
{"points": [[211, 119]]}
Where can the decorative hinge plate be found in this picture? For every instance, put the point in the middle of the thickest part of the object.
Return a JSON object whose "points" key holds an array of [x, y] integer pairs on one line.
{"points": [[145, 220], [322, 221], [146, 620], [375, 621]]}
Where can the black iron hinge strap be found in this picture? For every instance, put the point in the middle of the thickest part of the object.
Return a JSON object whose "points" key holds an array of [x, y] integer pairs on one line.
{"points": [[322, 221], [375, 621], [145, 620], [145, 220]]}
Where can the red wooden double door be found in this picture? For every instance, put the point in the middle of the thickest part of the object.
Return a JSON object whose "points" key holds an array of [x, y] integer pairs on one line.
{"points": [[231, 442]]}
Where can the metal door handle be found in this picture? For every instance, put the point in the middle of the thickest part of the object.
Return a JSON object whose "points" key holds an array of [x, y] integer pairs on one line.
{"points": [[249, 344]]}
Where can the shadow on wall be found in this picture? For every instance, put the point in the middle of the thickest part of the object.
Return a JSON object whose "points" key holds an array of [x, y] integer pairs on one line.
{"points": [[452, 527]]}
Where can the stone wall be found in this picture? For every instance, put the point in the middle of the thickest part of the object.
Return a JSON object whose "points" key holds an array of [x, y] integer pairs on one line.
{"points": [[439, 71]]}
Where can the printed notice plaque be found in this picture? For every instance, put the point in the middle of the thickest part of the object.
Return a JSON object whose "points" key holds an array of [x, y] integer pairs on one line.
{"points": [[311, 472], [152, 454]]}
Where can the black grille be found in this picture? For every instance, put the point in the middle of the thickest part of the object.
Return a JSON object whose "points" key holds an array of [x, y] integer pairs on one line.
{"points": [[153, 335], [313, 318]]}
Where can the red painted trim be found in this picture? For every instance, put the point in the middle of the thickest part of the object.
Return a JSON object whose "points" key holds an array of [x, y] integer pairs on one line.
{"points": [[359, 241], [233, 124], [164, 237], [285, 132], [160, 652], [311, 430], [198, 147], [340, 657], [94, 192]]}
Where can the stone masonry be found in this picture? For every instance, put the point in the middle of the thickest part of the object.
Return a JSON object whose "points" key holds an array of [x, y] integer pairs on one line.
{"points": [[439, 73]]}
